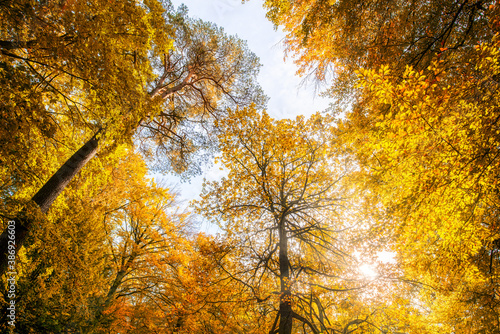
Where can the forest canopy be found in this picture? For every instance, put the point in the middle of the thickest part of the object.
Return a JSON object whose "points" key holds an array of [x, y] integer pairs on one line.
{"points": [[98, 95]]}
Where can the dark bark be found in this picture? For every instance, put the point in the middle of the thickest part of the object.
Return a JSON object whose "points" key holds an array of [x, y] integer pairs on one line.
{"points": [[110, 297], [17, 230], [56, 42], [307, 322], [285, 311], [120, 275], [9, 45]]}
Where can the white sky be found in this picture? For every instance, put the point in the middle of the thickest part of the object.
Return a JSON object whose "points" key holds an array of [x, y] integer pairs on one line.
{"points": [[288, 98]]}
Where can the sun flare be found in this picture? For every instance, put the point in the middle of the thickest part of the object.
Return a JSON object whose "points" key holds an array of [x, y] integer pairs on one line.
{"points": [[368, 271]]}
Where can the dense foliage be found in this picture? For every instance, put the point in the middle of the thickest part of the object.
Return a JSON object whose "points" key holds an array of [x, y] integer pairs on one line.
{"points": [[406, 162]]}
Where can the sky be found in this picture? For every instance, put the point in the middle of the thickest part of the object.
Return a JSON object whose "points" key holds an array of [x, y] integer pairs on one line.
{"points": [[288, 96]]}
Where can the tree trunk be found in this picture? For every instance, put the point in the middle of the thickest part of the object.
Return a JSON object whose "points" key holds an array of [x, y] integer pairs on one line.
{"points": [[120, 275], [110, 297], [17, 230], [9, 45], [285, 311]]}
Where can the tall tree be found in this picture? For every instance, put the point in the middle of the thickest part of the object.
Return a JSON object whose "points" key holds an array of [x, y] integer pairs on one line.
{"points": [[429, 146], [105, 245], [282, 204], [423, 128], [206, 71], [59, 270], [64, 78]]}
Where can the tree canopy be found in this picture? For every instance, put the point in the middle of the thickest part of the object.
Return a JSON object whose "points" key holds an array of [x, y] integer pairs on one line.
{"points": [[99, 95]]}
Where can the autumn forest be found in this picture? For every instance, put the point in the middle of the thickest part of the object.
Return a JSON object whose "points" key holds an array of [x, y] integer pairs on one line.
{"points": [[380, 214]]}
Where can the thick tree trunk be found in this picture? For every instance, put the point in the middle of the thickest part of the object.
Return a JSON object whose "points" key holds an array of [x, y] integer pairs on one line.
{"points": [[17, 230], [286, 315]]}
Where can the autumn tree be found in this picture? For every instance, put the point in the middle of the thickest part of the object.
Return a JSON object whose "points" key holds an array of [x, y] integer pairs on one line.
{"points": [[59, 270], [332, 39], [115, 255], [105, 245], [281, 204], [195, 295], [423, 128], [431, 146], [55, 83], [168, 102], [141, 231]]}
